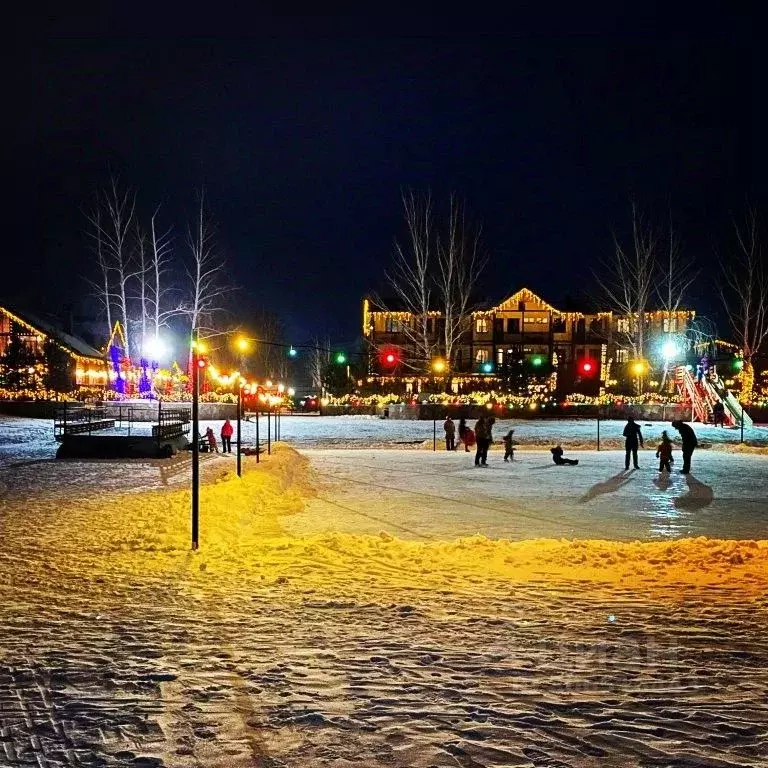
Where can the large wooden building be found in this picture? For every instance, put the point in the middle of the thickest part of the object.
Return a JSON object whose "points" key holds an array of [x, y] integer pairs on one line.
{"points": [[36, 358], [524, 342]]}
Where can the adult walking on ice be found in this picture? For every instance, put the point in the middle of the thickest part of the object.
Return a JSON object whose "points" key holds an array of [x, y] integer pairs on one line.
{"points": [[226, 437], [688, 436], [632, 436], [483, 437], [450, 434]]}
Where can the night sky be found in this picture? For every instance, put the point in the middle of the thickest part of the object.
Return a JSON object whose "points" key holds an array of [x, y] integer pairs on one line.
{"points": [[305, 133]]}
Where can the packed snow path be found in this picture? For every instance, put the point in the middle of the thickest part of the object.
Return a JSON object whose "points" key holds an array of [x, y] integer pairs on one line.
{"points": [[442, 495], [119, 646]]}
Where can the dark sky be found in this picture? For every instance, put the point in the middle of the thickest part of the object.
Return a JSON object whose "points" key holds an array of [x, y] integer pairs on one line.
{"points": [[305, 133]]}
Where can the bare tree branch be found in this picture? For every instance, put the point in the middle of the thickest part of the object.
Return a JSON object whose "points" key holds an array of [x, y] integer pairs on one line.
{"points": [[744, 291]]}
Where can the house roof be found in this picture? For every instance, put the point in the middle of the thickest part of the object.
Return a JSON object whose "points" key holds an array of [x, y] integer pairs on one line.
{"points": [[66, 340]]}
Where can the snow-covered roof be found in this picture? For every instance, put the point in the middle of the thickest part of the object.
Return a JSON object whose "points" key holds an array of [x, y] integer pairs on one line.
{"points": [[66, 340]]}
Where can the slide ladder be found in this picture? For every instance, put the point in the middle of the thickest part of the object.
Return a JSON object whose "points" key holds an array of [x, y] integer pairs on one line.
{"points": [[734, 411], [697, 398]]}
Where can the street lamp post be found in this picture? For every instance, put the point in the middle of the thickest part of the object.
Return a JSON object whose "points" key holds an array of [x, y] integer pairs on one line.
{"points": [[258, 440], [239, 415], [269, 429], [195, 442]]}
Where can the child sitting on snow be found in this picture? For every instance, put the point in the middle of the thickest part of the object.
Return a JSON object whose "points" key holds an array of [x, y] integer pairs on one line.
{"points": [[509, 446], [557, 457]]}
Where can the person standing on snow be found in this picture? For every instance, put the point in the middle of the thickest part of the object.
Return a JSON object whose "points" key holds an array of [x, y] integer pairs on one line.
{"points": [[632, 436], [509, 446], [226, 437], [483, 438], [690, 442], [450, 434], [664, 453]]}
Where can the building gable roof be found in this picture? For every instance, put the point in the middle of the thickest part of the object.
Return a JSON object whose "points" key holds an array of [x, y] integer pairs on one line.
{"points": [[527, 297], [67, 340]]}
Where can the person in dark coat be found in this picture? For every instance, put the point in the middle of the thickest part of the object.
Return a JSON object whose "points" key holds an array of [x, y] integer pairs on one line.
{"points": [[463, 429], [212, 447], [718, 414], [483, 437], [557, 457], [632, 436], [688, 436], [450, 434], [509, 446]]}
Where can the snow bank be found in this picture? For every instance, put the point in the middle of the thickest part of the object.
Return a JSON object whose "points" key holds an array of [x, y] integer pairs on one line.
{"points": [[146, 535]]}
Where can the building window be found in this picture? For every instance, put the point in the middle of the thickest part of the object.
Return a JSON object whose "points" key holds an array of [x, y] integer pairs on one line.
{"points": [[481, 356], [622, 355], [513, 325], [481, 325], [622, 325], [670, 324], [430, 325], [558, 325], [499, 357]]}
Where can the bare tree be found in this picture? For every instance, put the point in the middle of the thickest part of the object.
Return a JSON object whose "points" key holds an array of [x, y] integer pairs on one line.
{"points": [[627, 281], [676, 276], [744, 292], [143, 266], [319, 360], [162, 307], [460, 263], [111, 222], [412, 278], [101, 287], [205, 272]]}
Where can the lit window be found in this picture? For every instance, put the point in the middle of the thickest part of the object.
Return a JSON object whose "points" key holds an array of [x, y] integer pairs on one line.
{"points": [[481, 356], [500, 357], [670, 324], [622, 355], [481, 325], [622, 325]]}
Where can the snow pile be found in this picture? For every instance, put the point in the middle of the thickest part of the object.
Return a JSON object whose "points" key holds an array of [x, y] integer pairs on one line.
{"points": [[148, 535]]}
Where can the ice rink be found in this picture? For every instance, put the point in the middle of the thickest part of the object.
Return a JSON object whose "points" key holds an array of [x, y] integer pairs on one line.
{"points": [[425, 495]]}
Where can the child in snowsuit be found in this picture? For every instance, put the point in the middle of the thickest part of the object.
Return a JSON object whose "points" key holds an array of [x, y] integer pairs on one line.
{"points": [[557, 457], [664, 453], [509, 449], [463, 429], [212, 447]]}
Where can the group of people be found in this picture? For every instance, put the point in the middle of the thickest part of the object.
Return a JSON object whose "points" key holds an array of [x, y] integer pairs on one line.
{"points": [[482, 437], [226, 438], [633, 439]]}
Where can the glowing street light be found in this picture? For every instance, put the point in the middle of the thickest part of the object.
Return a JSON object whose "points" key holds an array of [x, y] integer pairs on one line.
{"points": [[438, 365], [669, 350], [639, 367], [291, 391], [292, 352], [242, 344], [154, 348]]}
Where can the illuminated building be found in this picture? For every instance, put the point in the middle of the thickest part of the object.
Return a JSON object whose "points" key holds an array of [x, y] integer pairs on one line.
{"points": [[522, 340], [36, 358]]}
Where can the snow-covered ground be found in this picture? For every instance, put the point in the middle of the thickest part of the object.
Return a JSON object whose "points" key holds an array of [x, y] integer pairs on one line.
{"points": [[341, 610]]}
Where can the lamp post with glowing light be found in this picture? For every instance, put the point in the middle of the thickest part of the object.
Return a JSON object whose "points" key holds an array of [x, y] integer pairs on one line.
{"points": [[198, 362]]}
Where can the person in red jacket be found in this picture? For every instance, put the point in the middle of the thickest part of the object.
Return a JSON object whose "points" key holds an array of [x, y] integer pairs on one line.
{"points": [[211, 438], [226, 437]]}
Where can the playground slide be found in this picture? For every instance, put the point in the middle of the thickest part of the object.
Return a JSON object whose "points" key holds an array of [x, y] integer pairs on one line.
{"points": [[732, 405]]}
